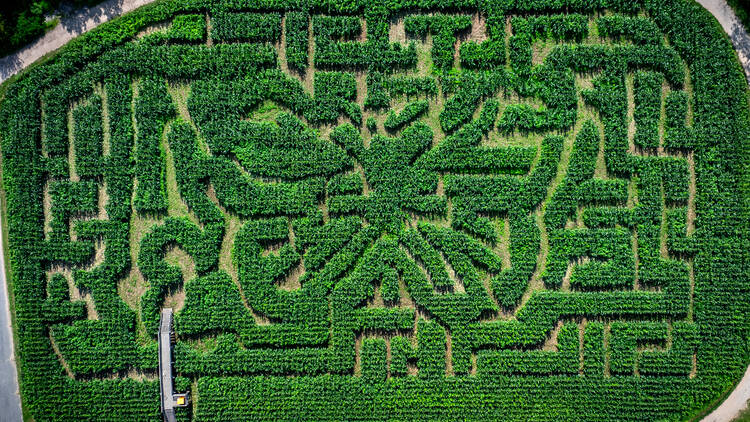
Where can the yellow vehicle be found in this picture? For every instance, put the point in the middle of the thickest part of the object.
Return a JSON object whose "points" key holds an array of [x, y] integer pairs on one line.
{"points": [[181, 400]]}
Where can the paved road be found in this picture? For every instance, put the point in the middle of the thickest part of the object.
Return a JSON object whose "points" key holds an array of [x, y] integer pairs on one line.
{"points": [[88, 18], [10, 400]]}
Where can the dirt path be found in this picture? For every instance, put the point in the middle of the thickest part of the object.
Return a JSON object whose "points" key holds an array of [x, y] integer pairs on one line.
{"points": [[733, 27], [69, 27]]}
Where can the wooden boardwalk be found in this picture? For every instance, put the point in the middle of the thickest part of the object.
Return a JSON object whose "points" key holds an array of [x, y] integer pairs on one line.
{"points": [[165, 366]]}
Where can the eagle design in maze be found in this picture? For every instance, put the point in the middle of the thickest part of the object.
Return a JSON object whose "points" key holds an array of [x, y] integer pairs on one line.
{"points": [[472, 215]]}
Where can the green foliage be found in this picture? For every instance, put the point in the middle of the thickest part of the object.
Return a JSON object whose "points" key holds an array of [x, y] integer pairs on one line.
{"points": [[88, 137], [152, 111], [296, 40], [443, 28], [411, 111], [190, 28], [571, 27], [510, 249], [411, 86], [372, 124], [289, 151], [211, 304], [538, 362], [251, 27], [23, 21], [647, 113], [335, 47], [639, 30], [677, 135]]}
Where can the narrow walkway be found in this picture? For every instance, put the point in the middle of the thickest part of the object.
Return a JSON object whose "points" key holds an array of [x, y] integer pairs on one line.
{"points": [[165, 365], [69, 27]]}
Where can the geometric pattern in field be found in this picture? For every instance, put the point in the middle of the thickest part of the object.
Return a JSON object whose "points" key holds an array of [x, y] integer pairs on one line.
{"points": [[437, 221], [424, 194]]}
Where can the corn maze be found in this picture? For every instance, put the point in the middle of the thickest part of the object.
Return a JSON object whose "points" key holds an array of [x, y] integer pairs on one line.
{"points": [[363, 210]]}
